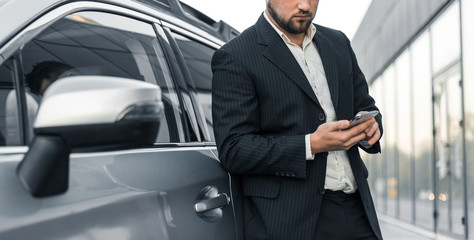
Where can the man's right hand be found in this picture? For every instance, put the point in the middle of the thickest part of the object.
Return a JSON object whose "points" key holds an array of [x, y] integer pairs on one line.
{"points": [[335, 136]]}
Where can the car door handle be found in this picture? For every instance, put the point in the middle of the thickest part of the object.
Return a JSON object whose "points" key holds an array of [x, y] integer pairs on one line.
{"points": [[220, 201], [209, 204]]}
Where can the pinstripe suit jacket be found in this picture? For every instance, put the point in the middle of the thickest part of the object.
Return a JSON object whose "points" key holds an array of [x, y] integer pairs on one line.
{"points": [[263, 106]]}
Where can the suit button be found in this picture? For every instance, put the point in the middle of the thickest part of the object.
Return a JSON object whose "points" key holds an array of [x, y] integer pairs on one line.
{"points": [[322, 191], [277, 173], [321, 117], [288, 174], [293, 174]]}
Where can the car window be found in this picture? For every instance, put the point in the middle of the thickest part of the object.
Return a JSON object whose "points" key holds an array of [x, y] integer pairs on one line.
{"points": [[97, 43], [198, 59], [9, 117]]}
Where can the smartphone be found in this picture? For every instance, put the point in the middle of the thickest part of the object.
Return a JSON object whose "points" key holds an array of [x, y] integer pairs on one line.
{"points": [[361, 117]]}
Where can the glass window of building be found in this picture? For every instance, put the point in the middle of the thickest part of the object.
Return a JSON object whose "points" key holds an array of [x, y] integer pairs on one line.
{"points": [[404, 134], [423, 131], [446, 38], [428, 168], [448, 119], [390, 134], [468, 62], [377, 174]]}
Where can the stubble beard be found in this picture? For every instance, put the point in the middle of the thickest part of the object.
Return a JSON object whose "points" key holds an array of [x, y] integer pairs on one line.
{"points": [[288, 25]]}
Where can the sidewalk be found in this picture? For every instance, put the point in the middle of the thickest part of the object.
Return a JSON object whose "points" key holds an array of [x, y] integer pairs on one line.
{"points": [[393, 229]]}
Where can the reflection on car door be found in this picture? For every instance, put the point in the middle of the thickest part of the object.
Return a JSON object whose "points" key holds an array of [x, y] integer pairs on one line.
{"points": [[133, 194]]}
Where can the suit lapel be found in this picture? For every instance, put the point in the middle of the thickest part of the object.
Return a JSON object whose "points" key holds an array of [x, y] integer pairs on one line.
{"points": [[328, 57], [278, 53]]}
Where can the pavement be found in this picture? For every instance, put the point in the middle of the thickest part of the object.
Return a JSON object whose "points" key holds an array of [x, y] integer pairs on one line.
{"points": [[394, 229], [395, 232]]}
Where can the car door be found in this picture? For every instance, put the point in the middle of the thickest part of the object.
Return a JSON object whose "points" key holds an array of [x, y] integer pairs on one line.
{"points": [[195, 54], [174, 189]]}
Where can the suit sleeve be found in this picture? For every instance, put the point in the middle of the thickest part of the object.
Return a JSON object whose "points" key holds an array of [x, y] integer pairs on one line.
{"points": [[362, 100], [243, 148]]}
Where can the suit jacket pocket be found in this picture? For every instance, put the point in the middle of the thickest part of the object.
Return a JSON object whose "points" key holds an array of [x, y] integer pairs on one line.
{"points": [[260, 186]]}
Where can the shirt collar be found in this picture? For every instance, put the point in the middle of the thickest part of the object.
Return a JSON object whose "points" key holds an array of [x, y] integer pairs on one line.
{"points": [[308, 37]]}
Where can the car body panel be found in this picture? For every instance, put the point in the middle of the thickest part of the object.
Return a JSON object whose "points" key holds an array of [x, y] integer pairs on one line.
{"points": [[137, 194]]}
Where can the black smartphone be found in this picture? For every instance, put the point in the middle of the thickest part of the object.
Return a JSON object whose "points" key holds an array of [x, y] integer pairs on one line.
{"points": [[361, 117]]}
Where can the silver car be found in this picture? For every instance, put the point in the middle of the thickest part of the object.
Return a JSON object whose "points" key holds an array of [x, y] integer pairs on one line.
{"points": [[105, 122]]}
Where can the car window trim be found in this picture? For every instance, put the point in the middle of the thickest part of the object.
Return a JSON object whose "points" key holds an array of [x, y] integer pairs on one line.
{"points": [[197, 105], [19, 84], [177, 75], [162, 41], [192, 35]]}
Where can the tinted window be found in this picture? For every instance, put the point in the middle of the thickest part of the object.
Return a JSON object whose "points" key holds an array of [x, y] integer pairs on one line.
{"points": [[9, 117], [95, 43], [198, 59]]}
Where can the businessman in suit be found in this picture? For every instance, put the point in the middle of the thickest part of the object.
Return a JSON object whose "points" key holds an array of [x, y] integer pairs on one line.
{"points": [[283, 92]]}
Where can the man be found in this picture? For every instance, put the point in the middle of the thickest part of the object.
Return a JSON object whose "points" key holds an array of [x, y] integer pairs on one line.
{"points": [[282, 93], [43, 74]]}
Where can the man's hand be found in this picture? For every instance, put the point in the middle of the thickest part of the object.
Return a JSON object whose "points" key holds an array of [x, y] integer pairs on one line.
{"points": [[334, 136]]}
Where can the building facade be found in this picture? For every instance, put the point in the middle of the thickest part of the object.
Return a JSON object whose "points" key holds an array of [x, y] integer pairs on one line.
{"points": [[418, 57]]}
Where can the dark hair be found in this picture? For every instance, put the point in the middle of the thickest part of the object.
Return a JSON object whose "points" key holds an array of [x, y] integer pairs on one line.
{"points": [[50, 70]]}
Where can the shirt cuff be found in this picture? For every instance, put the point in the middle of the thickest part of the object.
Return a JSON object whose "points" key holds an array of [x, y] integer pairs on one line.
{"points": [[309, 155]]}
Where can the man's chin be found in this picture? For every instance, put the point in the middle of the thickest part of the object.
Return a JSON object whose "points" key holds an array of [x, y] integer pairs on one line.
{"points": [[300, 27]]}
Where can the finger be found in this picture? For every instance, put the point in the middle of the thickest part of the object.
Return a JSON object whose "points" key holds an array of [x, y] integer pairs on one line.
{"points": [[367, 130], [356, 139], [359, 137], [342, 124], [361, 127], [375, 137], [371, 130]]}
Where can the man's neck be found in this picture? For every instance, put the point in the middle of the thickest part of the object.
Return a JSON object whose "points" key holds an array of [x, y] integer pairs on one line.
{"points": [[296, 38]]}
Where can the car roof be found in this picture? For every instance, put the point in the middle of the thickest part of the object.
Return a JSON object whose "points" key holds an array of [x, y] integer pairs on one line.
{"points": [[18, 16]]}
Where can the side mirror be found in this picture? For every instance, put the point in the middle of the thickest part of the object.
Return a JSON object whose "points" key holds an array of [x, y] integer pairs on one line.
{"points": [[87, 112]]}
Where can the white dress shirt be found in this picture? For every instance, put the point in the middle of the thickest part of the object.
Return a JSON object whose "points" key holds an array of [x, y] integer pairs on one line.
{"points": [[339, 174]]}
